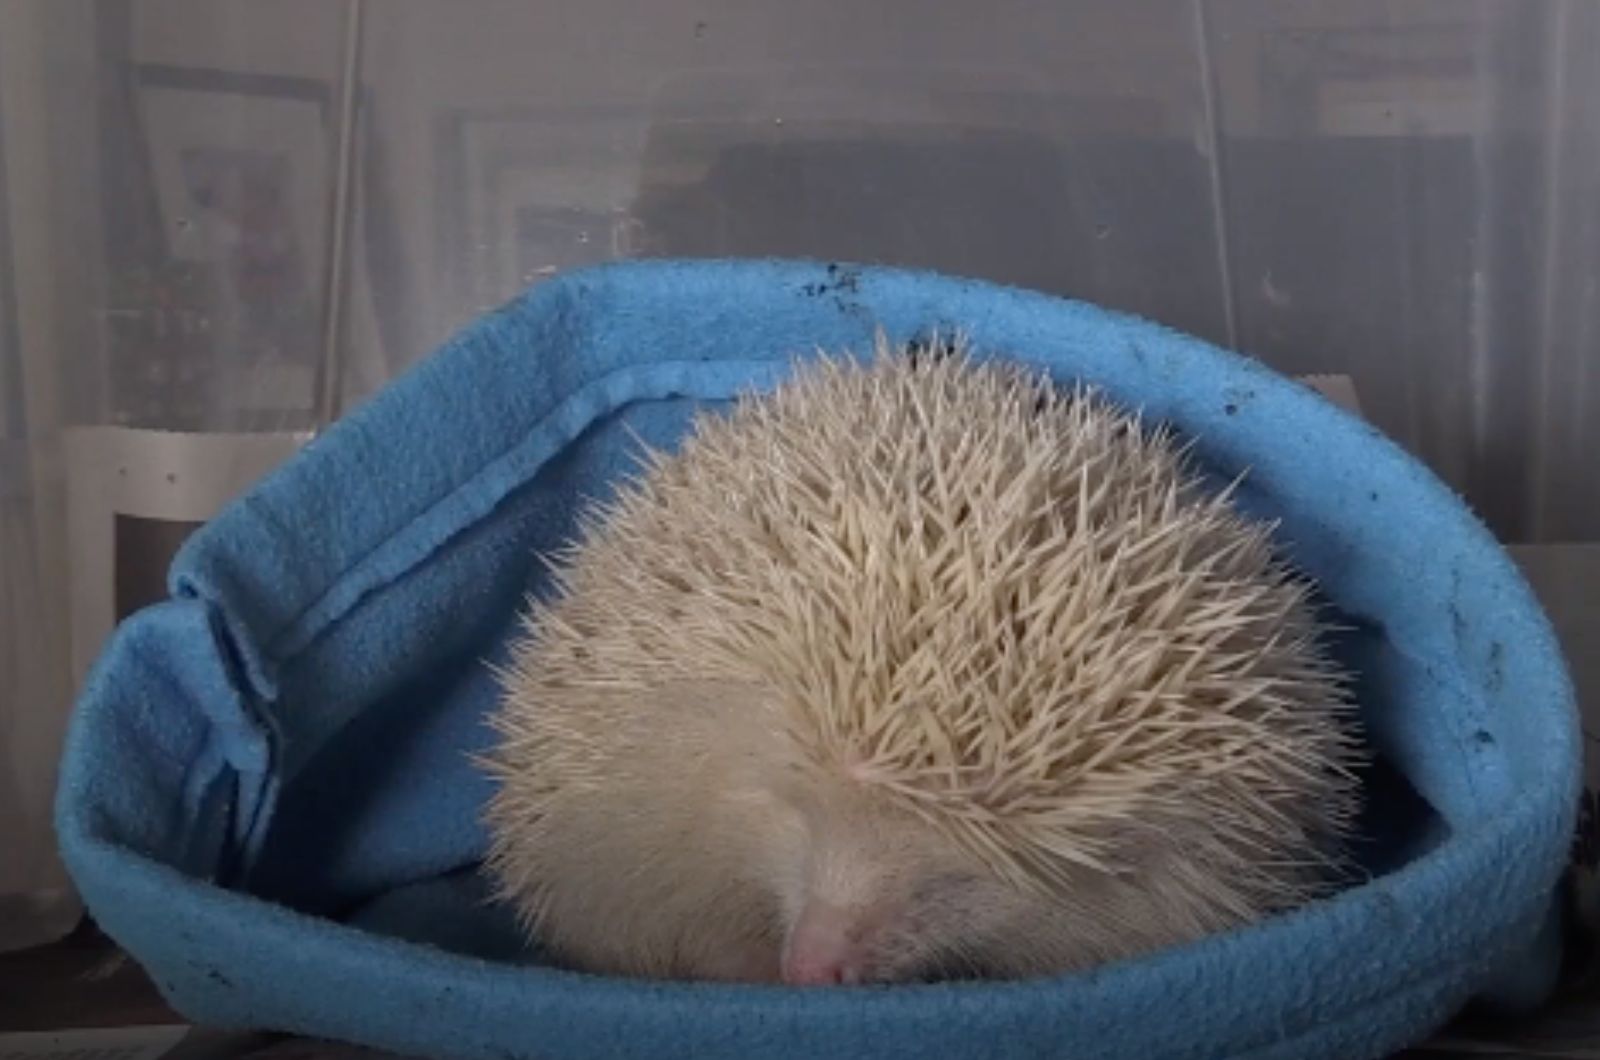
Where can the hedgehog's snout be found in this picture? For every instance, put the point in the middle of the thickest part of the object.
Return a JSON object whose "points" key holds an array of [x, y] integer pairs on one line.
{"points": [[827, 946], [874, 895]]}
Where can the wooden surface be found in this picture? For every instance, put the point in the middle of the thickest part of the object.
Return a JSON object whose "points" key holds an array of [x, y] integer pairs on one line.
{"points": [[82, 981]]}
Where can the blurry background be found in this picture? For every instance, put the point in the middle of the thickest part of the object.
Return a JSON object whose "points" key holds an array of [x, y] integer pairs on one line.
{"points": [[222, 222]]}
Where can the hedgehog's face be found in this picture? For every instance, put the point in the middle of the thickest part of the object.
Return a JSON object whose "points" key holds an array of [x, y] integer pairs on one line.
{"points": [[871, 894]]}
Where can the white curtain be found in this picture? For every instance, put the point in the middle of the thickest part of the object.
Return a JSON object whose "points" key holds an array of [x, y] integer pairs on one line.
{"points": [[36, 901]]}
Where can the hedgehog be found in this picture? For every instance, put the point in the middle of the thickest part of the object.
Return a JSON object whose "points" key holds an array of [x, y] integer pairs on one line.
{"points": [[917, 666]]}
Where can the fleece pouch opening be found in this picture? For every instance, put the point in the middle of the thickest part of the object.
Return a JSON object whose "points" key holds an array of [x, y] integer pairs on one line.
{"points": [[268, 793]]}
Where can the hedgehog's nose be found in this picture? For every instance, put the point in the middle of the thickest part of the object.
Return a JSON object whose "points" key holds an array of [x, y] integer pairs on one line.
{"points": [[802, 973], [823, 948]]}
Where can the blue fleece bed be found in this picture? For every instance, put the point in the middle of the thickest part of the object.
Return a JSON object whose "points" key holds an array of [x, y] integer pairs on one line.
{"points": [[267, 796]]}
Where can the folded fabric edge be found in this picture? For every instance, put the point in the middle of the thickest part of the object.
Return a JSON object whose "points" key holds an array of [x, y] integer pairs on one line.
{"points": [[1519, 853]]}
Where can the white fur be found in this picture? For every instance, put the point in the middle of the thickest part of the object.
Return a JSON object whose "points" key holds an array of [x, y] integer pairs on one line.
{"points": [[972, 666]]}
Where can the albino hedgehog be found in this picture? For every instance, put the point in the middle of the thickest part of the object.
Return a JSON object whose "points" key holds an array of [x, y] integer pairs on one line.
{"points": [[915, 668]]}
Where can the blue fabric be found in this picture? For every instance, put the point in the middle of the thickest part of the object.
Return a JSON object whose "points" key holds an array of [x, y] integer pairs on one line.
{"points": [[267, 796]]}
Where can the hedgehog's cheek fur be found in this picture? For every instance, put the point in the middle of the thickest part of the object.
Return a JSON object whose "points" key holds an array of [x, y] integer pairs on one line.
{"points": [[925, 924], [905, 903]]}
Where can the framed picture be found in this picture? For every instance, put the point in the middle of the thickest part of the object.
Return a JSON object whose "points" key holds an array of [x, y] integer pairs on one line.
{"points": [[526, 193], [217, 326], [1406, 80], [240, 162]]}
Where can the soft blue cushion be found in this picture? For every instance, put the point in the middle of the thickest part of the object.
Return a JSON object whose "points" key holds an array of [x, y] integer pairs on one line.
{"points": [[267, 796]]}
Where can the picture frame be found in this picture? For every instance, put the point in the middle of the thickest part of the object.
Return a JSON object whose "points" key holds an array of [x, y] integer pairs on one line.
{"points": [[217, 324], [204, 127], [526, 193]]}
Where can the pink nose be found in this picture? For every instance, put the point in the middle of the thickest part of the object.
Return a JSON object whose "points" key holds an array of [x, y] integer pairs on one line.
{"points": [[822, 949], [810, 970]]}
